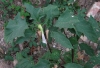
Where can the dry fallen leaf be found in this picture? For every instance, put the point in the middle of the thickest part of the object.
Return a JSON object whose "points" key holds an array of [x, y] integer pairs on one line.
{"points": [[39, 34], [80, 55], [33, 49], [1, 50], [47, 33]]}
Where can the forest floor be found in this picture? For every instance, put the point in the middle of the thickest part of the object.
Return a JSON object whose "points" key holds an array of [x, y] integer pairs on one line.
{"points": [[3, 46]]}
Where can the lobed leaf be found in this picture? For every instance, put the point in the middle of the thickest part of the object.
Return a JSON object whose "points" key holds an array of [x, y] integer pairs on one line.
{"points": [[15, 28]]}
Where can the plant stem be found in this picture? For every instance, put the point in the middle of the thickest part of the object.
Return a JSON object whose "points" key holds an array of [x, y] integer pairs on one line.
{"points": [[62, 60], [72, 55], [49, 47]]}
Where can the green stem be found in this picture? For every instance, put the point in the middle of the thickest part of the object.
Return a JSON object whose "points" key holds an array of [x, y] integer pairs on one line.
{"points": [[72, 55]]}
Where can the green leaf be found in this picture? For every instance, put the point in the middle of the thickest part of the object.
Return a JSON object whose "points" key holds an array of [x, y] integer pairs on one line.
{"points": [[35, 12], [95, 26], [42, 64], [9, 57], [20, 40], [61, 39], [55, 55], [25, 63], [87, 49], [46, 55], [51, 11], [73, 65], [70, 1], [94, 60], [19, 56], [25, 52], [67, 57], [47, 2], [28, 35], [66, 20], [16, 49], [73, 40], [15, 28], [85, 28]]}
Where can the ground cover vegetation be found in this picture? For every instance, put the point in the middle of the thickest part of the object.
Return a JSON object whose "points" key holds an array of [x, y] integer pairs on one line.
{"points": [[36, 26]]}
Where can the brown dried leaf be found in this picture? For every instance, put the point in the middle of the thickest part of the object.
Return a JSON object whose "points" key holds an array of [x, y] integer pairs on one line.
{"points": [[47, 33], [80, 55], [1, 50], [39, 34]]}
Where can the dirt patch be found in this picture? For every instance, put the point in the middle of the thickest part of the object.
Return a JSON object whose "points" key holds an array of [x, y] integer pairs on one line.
{"points": [[5, 64]]}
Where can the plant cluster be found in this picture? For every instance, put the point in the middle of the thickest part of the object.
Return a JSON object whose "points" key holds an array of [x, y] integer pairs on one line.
{"points": [[43, 25]]}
